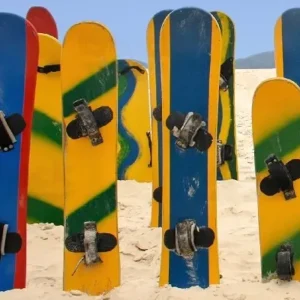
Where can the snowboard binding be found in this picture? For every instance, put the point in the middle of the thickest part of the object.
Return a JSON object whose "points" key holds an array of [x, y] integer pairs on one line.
{"points": [[281, 177], [226, 74], [224, 153], [127, 69], [285, 262], [49, 69], [10, 127], [187, 238], [90, 242], [157, 113], [157, 194], [189, 130], [88, 122], [148, 134], [10, 242]]}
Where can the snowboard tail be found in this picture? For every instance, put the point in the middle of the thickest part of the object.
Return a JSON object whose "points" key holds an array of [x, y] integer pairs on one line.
{"points": [[277, 154]]}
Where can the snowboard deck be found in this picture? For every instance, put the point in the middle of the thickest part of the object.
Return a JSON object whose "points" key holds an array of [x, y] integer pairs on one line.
{"points": [[287, 45], [42, 20], [90, 168], [190, 70], [226, 111], [18, 60], [153, 34], [134, 156], [46, 182], [277, 134]]}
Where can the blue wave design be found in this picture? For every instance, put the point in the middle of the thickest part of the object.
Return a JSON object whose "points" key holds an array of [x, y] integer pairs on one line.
{"points": [[132, 156]]}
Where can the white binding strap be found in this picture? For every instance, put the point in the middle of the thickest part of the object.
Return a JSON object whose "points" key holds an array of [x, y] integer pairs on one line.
{"points": [[3, 239]]}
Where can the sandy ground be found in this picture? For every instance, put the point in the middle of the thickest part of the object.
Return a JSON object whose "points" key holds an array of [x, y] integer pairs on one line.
{"points": [[237, 226]]}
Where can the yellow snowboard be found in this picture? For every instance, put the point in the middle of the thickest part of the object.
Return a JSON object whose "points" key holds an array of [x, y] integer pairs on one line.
{"points": [[276, 128], [89, 79], [46, 183]]}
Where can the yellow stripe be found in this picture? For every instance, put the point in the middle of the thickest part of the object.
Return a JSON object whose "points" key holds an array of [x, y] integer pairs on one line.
{"points": [[136, 119], [165, 76], [278, 48], [90, 170], [215, 64], [154, 123]]}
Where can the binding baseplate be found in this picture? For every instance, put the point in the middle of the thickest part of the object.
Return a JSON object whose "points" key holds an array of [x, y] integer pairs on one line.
{"points": [[281, 175], [90, 256], [226, 74], [224, 153], [187, 238], [186, 134], [284, 262], [88, 124], [90, 242]]}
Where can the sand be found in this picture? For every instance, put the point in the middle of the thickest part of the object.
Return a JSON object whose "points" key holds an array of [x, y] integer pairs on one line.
{"points": [[140, 245]]}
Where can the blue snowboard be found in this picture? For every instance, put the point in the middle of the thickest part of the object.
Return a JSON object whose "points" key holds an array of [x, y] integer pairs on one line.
{"points": [[18, 68], [190, 53]]}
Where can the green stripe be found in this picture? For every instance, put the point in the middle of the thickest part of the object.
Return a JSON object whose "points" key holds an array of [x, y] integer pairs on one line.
{"points": [[281, 142], [268, 260], [96, 209], [40, 211], [124, 149], [91, 88], [47, 127]]}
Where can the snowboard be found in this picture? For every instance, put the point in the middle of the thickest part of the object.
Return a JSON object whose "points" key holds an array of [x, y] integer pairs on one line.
{"points": [[226, 151], [89, 86], [43, 21], [134, 156], [46, 181], [18, 61], [277, 165], [190, 69], [153, 34], [287, 45]]}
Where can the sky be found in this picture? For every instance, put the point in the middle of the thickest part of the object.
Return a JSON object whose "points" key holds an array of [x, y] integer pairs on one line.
{"points": [[128, 19]]}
